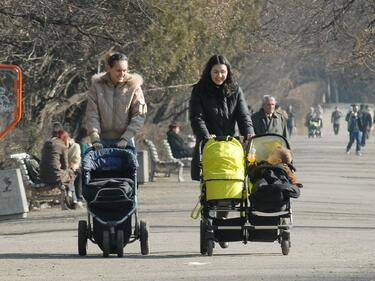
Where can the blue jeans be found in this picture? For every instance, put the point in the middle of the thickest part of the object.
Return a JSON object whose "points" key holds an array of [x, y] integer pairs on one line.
{"points": [[355, 136]]}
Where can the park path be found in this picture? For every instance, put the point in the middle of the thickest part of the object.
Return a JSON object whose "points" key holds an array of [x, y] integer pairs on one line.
{"points": [[332, 238]]}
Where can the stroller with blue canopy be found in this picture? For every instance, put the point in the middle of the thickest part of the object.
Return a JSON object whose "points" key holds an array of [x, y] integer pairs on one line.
{"points": [[110, 190]]}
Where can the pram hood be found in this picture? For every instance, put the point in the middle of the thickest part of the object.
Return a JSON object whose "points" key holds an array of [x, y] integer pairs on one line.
{"points": [[110, 159], [266, 144], [223, 160]]}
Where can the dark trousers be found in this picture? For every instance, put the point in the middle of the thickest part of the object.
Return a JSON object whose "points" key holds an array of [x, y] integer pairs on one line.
{"points": [[78, 184], [365, 136], [357, 137], [336, 128], [290, 130]]}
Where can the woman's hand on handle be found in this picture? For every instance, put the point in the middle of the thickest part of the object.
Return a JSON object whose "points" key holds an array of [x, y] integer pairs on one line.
{"points": [[97, 145], [122, 143]]}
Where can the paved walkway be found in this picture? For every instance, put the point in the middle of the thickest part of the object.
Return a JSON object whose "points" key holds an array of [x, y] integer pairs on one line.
{"points": [[333, 237]]}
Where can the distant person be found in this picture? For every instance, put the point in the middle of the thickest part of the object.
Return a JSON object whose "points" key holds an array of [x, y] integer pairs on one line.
{"points": [[319, 111], [268, 120], [319, 117], [310, 116], [367, 108], [177, 143], [74, 159], [366, 124], [54, 163], [56, 127], [354, 119], [335, 120], [279, 109], [116, 108], [83, 140], [291, 121]]}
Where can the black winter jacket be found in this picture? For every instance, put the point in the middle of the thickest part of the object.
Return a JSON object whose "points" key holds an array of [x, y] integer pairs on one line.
{"points": [[178, 147], [213, 112]]}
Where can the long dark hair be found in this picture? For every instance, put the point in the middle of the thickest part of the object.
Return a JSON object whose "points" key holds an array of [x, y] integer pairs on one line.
{"points": [[230, 85]]}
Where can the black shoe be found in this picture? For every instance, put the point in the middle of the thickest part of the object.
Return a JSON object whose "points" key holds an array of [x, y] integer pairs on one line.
{"points": [[224, 245]]}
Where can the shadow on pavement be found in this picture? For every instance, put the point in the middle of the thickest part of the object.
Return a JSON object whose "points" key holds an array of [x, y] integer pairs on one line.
{"points": [[155, 255]]}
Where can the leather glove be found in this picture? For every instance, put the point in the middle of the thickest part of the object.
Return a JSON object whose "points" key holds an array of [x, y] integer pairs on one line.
{"points": [[97, 145], [122, 143]]}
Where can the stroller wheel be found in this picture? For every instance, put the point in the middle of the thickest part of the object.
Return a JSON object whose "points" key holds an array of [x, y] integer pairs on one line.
{"points": [[82, 238], [143, 237], [210, 247], [203, 247], [120, 243], [106, 243], [285, 246]]}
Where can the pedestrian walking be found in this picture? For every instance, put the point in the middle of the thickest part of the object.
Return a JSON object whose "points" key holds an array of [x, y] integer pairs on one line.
{"points": [[291, 121], [354, 119], [217, 104], [116, 108], [335, 120], [268, 120], [366, 123]]}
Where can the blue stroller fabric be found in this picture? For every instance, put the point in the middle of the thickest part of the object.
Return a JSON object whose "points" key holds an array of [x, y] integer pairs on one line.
{"points": [[109, 168], [122, 162]]}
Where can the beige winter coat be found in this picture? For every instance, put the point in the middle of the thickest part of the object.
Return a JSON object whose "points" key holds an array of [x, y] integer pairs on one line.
{"points": [[115, 112], [74, 155]]}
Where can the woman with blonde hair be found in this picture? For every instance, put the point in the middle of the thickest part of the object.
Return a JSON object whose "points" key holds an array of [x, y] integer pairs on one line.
{"points": [[116, 108]]}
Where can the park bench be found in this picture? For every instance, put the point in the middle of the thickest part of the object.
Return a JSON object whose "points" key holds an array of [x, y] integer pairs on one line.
{"points": [[168, 150], [159, 166], [37, 192]]}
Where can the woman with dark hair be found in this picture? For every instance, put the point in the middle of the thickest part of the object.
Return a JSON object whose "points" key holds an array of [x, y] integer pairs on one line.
{"points": [[217, 103], [116, 108]]}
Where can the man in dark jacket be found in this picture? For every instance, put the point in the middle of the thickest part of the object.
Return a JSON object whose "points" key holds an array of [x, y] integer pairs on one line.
{"points": [[366, 122], [267, 120], [355, 127], [176, 142], [335, 120]]}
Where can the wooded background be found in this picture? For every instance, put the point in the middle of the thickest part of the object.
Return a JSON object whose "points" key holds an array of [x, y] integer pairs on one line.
{"points": [[303, 52]]}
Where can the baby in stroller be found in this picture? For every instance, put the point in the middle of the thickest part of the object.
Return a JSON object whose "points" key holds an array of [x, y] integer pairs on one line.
{"points": [[281, 157], [273, 180]]}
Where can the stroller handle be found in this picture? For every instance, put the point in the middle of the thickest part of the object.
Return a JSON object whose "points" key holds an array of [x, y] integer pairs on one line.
{"points": [[241, 139], [92, 148]]}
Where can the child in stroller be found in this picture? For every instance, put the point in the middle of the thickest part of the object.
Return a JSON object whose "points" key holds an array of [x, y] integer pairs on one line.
{"points": [[272, 184], [110, 189]]}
